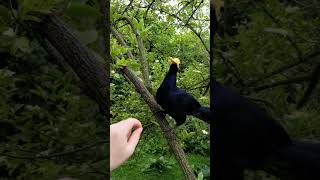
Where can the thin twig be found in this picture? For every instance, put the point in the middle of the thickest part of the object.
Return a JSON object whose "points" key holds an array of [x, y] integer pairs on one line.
{"points": [[310, 57], [281, 83], [57, 154], [194, 11], [149, 6], [188, 26], [127, 8]]}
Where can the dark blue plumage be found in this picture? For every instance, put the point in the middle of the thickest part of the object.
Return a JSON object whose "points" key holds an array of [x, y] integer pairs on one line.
{"points": [[246, 137], [244, 134], [175, 101]]}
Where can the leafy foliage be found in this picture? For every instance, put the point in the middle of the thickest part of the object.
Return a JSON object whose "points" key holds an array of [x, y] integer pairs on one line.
{"points": [[256, 41], [55, 128], [158, 165]]}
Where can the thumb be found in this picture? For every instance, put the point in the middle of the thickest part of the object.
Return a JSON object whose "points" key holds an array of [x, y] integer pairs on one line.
{"points": [[134, 139]]}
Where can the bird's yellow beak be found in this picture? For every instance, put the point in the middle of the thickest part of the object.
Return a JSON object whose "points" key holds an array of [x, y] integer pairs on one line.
{"points": [[174, 61]]}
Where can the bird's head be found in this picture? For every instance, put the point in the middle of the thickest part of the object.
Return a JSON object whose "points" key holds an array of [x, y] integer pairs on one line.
{"points": [[174, 61]]}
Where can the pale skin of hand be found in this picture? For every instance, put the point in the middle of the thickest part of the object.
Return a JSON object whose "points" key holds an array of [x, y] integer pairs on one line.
{"points": [[124, 137]]}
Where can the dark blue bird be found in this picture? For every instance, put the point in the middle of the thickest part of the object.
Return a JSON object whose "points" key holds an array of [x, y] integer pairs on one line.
{"points": [[176, 102]]}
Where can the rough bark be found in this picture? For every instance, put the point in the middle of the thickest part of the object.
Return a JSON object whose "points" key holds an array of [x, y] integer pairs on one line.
{"points": [[91, 72], [105, 11], [57, 57]]}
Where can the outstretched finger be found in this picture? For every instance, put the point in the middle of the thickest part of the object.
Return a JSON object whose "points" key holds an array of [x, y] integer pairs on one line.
{"points": [[131, 123]]}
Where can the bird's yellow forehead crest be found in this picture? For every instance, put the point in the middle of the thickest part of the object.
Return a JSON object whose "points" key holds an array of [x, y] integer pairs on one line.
{"points": [[174, 60]]}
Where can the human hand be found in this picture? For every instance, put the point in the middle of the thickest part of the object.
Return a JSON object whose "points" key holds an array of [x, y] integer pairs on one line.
{"points": [[124, 137]]}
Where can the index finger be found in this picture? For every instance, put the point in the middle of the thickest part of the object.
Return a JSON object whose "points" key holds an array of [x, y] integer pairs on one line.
{"points": [[131, 123]]}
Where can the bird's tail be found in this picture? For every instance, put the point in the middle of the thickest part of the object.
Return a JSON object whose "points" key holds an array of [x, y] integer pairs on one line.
{"points": [[203, 113], [301, 160]]}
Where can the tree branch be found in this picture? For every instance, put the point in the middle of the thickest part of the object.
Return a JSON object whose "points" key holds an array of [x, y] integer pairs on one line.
{"points": [[105, 11], [186, 5], [127, 7], [91, 72], [188, 26], [58, 57], [200, 82], [194, 11], [149, 6], [121, 41], [56, 154], [277, 22], [308, 58], [312, 85], [232, 68], [143, 59], [280, 83]]}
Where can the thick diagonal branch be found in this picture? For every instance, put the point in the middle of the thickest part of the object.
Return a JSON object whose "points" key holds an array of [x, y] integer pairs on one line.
{"points": [[91, 72]]}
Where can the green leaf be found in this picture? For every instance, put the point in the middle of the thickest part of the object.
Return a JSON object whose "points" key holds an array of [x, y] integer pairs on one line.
{"points": [[39, 92], [277, 31], [88, 36], [141, 25], [80, 10], [145, 31], [122, 62], [136, 23], [135, 65], [50, 169], [28, 6], [98, 56], [5, 18], [148, 28], [9, 32], [21, 43], [200, 176], [32, 18], [4, 13], [292, 9]]}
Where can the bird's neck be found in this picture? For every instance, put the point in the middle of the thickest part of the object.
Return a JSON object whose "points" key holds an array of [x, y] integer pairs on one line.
{"points": [[173, 68], [171, 77]]}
